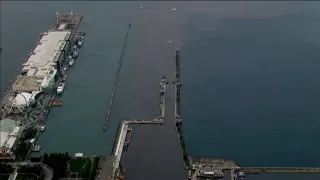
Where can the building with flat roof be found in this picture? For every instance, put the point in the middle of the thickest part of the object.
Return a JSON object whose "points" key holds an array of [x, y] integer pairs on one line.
{"points": [[39, 70], [9, 133]]}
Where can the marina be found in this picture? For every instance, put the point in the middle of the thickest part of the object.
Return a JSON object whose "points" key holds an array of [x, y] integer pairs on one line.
{"points": [[27, 100]]}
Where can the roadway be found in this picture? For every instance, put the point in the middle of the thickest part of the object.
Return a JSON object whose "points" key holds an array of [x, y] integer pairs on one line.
{"points": [[47, 170]]}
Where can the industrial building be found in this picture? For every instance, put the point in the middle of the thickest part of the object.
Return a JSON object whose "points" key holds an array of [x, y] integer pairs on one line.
{"points": [[10, 132]]}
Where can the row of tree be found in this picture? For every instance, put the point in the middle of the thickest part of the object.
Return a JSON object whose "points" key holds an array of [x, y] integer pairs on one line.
{"points": [[5, 169], [58, 162], [35, 170]]}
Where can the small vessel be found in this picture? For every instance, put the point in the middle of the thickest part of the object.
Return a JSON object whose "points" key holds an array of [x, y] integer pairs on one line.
{"points": [[71, 61], [60, 88], [241, 174], [75, 52], [173, 9], [36, 148], [42, 128], [56, 103], [170, 42], [80, 41]]}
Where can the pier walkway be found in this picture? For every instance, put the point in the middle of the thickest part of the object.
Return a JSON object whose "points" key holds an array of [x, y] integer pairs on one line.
{"points": [[280, 169], [115, 84]]}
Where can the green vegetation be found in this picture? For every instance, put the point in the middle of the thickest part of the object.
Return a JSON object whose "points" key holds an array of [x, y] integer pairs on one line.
{"points": [[28, 134], [28, 177], [76, 165], [4, 177], [58, 162], [86, 170], [5, 169], [31, 172], [94, 168], [22, 150]]}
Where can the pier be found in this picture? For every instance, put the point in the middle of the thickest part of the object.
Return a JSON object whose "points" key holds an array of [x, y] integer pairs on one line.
{"points": [[115, 83], [280, 169], [35, 84], [124, 133], [128, 138]]}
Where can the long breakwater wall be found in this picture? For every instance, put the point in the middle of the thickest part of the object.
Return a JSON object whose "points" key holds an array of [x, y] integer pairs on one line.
{"points": [[178, 120], [115, 83]]}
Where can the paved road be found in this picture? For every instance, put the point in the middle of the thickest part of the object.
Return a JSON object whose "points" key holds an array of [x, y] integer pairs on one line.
{"points": [[47, 170], [107, 168]]}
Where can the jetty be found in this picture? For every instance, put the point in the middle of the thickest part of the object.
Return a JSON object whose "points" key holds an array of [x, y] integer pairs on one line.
{"points": [[123, 137], [28, 98], [249, 170], [115, 83]]}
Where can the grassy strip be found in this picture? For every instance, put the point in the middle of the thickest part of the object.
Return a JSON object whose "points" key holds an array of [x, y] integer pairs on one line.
{"points": [[94, 169]]}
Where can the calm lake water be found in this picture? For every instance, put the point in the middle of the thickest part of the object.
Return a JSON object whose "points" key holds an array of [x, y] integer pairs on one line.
{"points": [[249, 70]]}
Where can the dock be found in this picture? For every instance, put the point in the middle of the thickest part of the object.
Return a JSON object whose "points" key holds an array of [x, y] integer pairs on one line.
{"points": [[127, 139], [115, 83], [249, 170], [34, 85]]}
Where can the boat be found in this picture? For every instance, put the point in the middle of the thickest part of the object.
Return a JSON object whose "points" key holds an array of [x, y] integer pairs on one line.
{"points": [[36, 148], [60, 88], [241, 174], [42, 128], [170, 42], [80, 41], [75, 52], [56, 103], [173, 9], [71, 61]]}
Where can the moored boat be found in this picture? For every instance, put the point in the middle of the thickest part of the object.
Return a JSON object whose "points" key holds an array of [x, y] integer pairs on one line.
{"points": [[60, 88], [71, 62], [80, 41]]}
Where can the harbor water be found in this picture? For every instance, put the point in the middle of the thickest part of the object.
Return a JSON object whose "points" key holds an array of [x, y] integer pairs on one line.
{"points": [[249, 74]]}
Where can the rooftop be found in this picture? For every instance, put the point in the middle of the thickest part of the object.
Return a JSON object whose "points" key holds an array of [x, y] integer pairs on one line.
{"points": [[42, 61], [46, 52], [3, 137], [9, 132], [7, 125]]}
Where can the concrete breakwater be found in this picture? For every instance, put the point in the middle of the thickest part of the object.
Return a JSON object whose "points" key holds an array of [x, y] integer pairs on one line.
{"points": [[178, 120], [115, 84]]}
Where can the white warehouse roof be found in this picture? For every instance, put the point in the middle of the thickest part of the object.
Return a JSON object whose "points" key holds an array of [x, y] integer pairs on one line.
{"points": [[42, 61], [3, 137], [46, 53], [8, 134]]}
